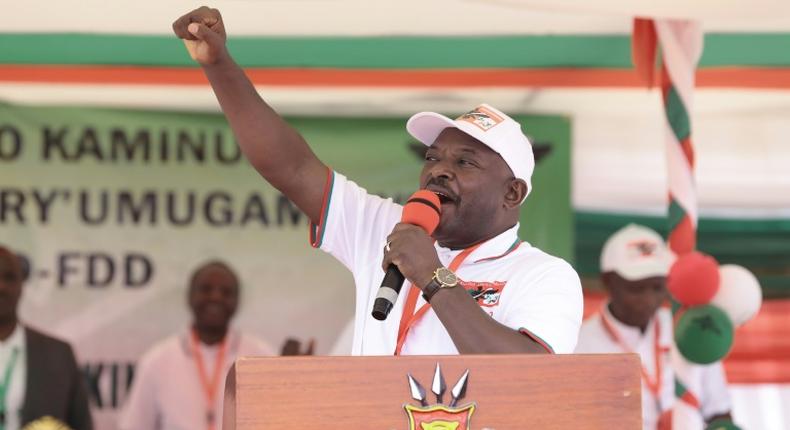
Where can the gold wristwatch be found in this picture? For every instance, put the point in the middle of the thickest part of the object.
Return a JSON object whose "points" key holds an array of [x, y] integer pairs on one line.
{"points": [[442, 278]]}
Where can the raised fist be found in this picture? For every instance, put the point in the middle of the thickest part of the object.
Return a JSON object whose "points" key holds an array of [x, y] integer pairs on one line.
{"points": [[204, 35]]}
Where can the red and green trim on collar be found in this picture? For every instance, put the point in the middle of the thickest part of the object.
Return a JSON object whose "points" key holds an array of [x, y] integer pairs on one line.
{"points": [[510, 249]]}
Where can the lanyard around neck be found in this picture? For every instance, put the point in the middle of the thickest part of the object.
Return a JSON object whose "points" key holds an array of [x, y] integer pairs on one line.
{"points": [[7, 375], [654, 385], [409, 317], [210, 387]]}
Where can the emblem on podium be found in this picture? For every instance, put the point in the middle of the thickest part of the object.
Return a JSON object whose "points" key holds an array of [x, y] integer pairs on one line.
{"points": [[439, 416], [46, 423]]}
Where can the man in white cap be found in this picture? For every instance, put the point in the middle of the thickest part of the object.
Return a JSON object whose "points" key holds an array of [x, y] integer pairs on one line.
{"points": [[634, 265], [473, 286]]}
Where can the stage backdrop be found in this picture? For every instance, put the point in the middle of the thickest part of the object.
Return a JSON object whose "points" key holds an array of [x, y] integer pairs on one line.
{"points": [[114, 208]]}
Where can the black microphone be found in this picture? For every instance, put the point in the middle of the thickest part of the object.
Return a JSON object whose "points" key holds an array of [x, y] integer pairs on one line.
{"points": [[422, 209]]}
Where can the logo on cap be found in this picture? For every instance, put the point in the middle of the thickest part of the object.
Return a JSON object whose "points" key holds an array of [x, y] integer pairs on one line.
{"points": [[482, 117], [642, 248]]}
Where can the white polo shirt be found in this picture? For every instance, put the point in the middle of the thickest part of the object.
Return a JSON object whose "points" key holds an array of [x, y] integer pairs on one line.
{"points": [[167, 393], [519, 285], [595, 338]]}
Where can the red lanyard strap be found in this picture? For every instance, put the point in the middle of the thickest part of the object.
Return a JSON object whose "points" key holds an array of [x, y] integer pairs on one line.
{"points": [[210, 387], [653, 385], [409, 317]]}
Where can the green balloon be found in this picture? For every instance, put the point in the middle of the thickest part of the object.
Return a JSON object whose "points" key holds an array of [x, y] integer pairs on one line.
{"points": [[722, 424], [704, 334]]}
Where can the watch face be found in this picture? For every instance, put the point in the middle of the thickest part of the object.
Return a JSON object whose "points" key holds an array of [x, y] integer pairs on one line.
{"points": [[446, 277]]}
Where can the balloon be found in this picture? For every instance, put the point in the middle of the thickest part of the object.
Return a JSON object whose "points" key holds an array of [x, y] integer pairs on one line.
{"points": [[704, 334], [739, 293], [694, 279], [722, 424]]}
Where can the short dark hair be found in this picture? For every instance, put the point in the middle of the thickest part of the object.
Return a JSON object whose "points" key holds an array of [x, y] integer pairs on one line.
{"points": [[212, 263], [16, 263]]}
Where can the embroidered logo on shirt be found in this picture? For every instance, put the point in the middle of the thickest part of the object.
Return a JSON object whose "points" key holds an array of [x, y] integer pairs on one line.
{"points": [[486, 294]]}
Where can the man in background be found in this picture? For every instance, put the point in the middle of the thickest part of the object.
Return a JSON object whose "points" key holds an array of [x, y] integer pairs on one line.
{"points": [[40, 378], [179, 382], [634, 265]]}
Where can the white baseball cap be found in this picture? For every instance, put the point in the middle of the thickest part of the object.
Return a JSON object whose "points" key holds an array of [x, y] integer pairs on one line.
{"points": [[635, 252], [488, 125]]}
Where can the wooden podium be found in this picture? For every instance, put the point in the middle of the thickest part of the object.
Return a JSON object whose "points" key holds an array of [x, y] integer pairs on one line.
{"points": [[508, 392]]}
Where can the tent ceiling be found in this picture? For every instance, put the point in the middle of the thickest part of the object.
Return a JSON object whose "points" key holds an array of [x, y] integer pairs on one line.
{"points": [[757, 13], [365, 17]]}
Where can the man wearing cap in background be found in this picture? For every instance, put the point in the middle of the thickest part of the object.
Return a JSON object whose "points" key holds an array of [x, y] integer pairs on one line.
{"points": [[634, 265], [511, 297]]}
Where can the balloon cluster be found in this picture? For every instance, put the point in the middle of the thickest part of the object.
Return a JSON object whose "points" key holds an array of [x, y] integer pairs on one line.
{"points": [[713, 300]]}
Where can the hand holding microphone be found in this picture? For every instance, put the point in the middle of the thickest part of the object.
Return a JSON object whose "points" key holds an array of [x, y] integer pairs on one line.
{"points": [[409, 251]]}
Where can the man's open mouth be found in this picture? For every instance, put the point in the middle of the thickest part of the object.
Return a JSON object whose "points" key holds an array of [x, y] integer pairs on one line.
{"points": [[445, 196]]}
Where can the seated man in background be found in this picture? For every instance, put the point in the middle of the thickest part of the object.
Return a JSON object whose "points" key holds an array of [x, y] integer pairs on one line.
{"points": [[179, 382], [634, 266], [41, 381]]}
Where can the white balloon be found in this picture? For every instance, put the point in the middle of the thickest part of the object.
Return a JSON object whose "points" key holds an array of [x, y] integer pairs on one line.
{"points": [[739, 294]]}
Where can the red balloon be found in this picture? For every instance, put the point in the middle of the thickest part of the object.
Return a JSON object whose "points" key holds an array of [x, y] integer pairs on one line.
{"points": [[694, 279]]}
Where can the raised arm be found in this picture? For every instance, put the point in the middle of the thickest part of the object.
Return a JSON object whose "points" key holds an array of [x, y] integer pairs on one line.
{"points": [[275, 150]]}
